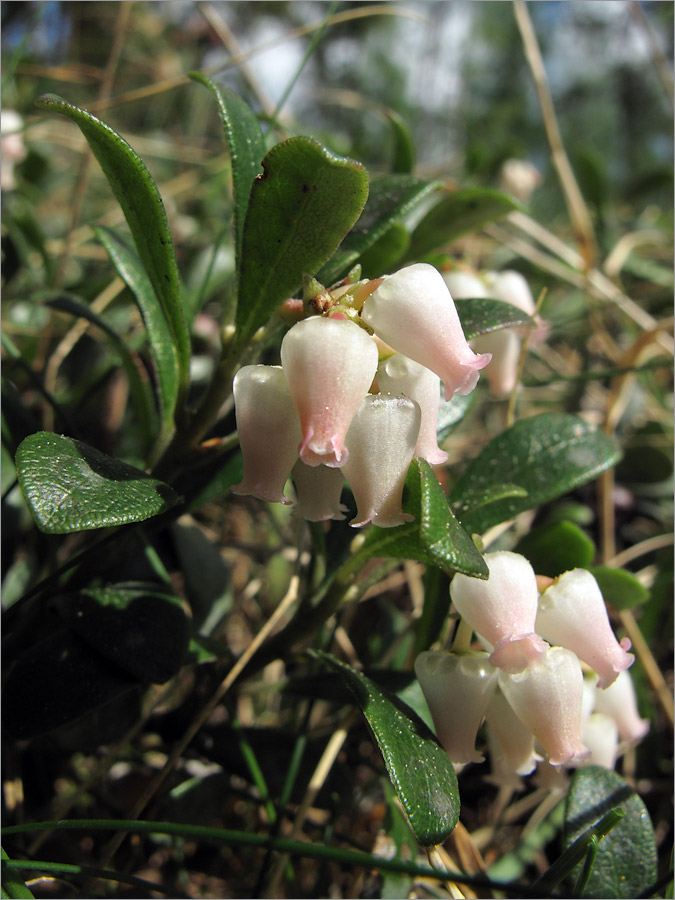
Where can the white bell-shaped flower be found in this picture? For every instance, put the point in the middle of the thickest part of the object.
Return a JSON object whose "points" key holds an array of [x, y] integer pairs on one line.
{"points": [[572, 613], [381, 441], [619, 702], [504, 347], [601, 735], [465, 285], [318, 489], [457, 690], [400, 375], [269, 431], [329, 364], [547, 699], [515, 740], [512, 287], [414, 313], [503, 609]]}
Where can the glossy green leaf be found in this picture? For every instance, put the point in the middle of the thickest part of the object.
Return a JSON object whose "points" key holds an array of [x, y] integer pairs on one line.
{"points": [[456, 214], [390, 198], [434, 536], [626, 862], [70, 486], [131, 271], [141, 628], [139, 384], [55, 682], [300, 209], [403, 161], [246, 145], [547, 455], [142, 205], [12, 885], [620, 589], [482, 315], [419, 768], [556, 548]]}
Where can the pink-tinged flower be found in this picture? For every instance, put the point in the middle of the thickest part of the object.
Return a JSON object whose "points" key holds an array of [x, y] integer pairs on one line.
{"points": [[414, 313], [572, 613], [504, 347], [457, 690], [514, 739], [503, 609], [618, 701], [381, 440], [329, 365], [400, 375], [547, 699], [269, 431], [511, 287], [318, 489]]}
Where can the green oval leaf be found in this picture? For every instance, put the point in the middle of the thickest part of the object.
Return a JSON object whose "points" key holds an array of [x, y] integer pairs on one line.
{"points": [[142, 205], [390, 198], [547, 455], [246, 145], [300, 209], [70, 486], [620, 589], [435, 537], [556, 548], [482, 315], [419, 768], [626, 861], [142, 628], [55, 682], [164, 355], [456, 214]]}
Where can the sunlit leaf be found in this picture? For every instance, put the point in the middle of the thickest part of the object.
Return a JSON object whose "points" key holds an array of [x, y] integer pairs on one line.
{"points": [[482, 315]]}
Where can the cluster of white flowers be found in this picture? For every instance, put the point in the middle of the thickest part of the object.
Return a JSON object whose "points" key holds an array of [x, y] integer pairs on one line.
{"points": [[348, 403], [504, 344], [528, 684]]}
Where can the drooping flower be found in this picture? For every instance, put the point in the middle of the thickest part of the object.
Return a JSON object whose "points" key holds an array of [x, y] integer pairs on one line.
{"points": [[547, 698], [619, 702], [503, 609], [457, 690], [601, 735], [400, 375], [515, 740], [572, 613], [381, 441], [329, 364], [269, 431], [318, 489], [412, 311]]}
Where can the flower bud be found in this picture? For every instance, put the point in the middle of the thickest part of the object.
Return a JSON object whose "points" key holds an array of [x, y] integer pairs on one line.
{"points": [[400, 375], [618, 701], [457, 690], [572, 613], [318, 489], [269, 431], [547, 699], [382, 440], [414, 313], [503, 609], [329, 365]]}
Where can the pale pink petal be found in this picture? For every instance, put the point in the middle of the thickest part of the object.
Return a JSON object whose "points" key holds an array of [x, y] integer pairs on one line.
{"points": [[504, 348], [572, 613], [269, 431], [503, 609], [329, 365], [400, 375], [318, 489], [382, 440], [601, 735], [619, 702], [414, 313], [547, 699], [457, 690], [515, 740]]}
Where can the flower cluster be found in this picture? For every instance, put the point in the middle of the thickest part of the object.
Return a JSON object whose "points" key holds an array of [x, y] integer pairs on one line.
{"points": [[528, 683], [348, 403], [504, 344]]}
